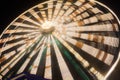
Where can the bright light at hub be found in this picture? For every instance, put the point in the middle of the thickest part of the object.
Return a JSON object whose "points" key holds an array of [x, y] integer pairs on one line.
{"points": [[47, 24]]}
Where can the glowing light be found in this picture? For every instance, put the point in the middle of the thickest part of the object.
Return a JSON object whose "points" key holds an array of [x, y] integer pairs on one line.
{"points": [[47, 24]]}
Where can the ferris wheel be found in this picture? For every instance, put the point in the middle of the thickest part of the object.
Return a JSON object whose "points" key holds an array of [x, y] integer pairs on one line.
{"points": [[62, 40]]}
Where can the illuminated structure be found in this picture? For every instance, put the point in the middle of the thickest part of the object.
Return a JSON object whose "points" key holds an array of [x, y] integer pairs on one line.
{"points": [[62, 40]]}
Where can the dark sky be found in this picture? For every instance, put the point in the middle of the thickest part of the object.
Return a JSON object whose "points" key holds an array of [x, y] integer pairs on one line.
{"points": [[10, 9]]}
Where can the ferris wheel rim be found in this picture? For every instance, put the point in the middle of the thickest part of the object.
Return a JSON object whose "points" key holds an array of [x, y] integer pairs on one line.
{"points": [[116, 62]]}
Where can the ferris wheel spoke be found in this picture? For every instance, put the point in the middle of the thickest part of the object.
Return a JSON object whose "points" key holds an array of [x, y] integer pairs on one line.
{"points": [[19, 42], [82, 10], [24, 25], [18, 31], [19, 63], [13, 39], [102, 27], [48, 67], [50, 10], [12, 45], [4, 68], [25, 18], [35, 65], [69, 10], [30, 56], [96, 38], [76, 54], [88, 49], [62, 64], [40, 46], [43, 13], [66, 53], [35, 14], [62, 9], [57, 8], [8, 56]]}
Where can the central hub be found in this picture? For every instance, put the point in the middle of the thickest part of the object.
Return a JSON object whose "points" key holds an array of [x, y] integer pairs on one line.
{"points": [[48, 27]]}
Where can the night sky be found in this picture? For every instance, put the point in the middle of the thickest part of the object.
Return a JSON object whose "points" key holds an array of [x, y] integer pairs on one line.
{"points": [[10, 9]]}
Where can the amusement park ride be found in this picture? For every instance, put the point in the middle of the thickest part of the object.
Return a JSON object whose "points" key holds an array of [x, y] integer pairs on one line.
{"points": [[60, 40]]}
